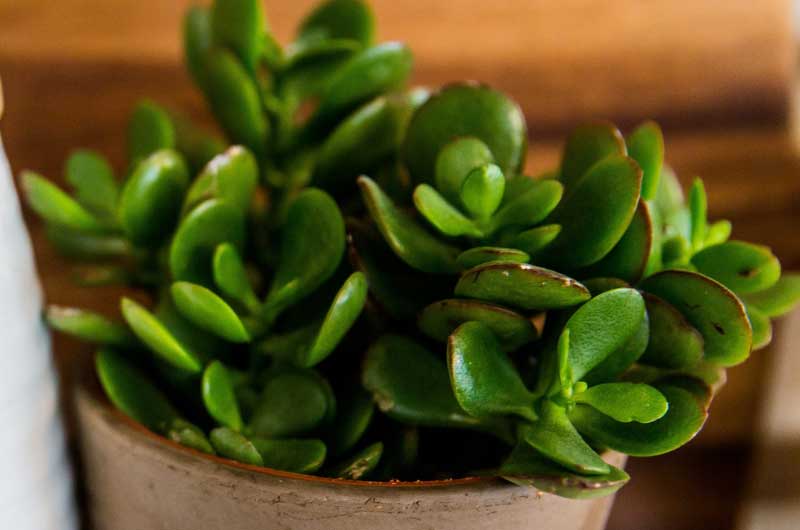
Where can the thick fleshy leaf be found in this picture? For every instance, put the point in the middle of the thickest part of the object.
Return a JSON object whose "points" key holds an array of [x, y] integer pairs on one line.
{"points": [[202, 345], [698, 213], [590, 228], [236, 446], [482, 190], [646, 146], [371, 72], [211, 223], [84, 246], [312, 245], [587, 145], [219, 396], [411, 385], [158, 338], [683, 420], [521, 285], [206, 310], [409, 241], [778, 299], [485, 382], [762, 327], [198, 145], [455, 161], [197, 41], [360, 465], [465, 110], [295, 455], [710, 308], [343, 313], [234, 100], [231, 176], [600, 285], [480, 255], [88, 326], [292, 403], [93, 179], [512, 330], [55, 206], [445, 217], [151, 198], [339, 19], [230, 276], [674, 343], [554, 436], [150, 130], [525, 466], [628, 259], [740, 266], [185, 433], [718, 232], [602, 326], [354, 416], [669, 195], [622, 359], [626, 402], [531, 207], [240, 25], [536, 239], [132, 392]]}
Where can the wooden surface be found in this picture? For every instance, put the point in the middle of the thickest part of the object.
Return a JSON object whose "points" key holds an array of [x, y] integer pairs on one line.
{"points": [[716, 72]]}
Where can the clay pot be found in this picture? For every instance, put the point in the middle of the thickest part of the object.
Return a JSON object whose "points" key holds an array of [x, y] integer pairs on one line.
{"points": [[136, 479]]}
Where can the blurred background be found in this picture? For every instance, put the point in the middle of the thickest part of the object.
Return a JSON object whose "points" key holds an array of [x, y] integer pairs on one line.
{"points": [[719, 75]]}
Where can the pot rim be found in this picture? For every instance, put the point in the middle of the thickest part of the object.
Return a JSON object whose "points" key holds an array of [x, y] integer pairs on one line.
{"points": [[88, 386]]}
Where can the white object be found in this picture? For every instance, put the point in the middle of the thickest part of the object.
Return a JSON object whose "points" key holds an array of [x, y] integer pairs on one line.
{"points": [[36, 482]]}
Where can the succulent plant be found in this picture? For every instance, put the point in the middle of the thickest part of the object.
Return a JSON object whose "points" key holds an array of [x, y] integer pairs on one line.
{"points": [[459, 317]]}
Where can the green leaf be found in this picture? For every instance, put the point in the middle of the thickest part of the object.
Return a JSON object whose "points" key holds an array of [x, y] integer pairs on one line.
{"points": [[601, 327], [669, 197], [339, 19], [132, 392], [293, 402], [698, 211], [80, 245], [586, 146], [294, 455], [352, 421], [465, 110], [646, 146], [158, 338], [778, 299], [455, 161], [88, 326], [521, 285], [240, 25], [343, 313], [674, 343], [233, 445], [151, 198], [590, 228], [312, 245], [235, 101], [626, 402], [206, 310], [762, 327], [482, 190], [484, 380], [683, 420], [219, 396], [361, 464], [411, 385], [554, 436], [628, 259], [185, 433], [150, 130], [600, 285], [712, 309], [231, 176], [442, 215], [718, 233], [197, 41], [93, 179], [525, 466], [623, 358], [230, 276], [480, 255], [530, 207], [536, 239], [198, 145], [407, 239], [213, 222], [55, 206], [740, 266]]}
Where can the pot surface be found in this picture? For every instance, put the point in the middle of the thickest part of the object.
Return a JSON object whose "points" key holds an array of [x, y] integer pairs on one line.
{"points": [[136, 479]]}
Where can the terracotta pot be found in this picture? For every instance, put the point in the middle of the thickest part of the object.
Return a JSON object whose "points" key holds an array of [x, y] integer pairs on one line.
{"points": [[138, 480]]}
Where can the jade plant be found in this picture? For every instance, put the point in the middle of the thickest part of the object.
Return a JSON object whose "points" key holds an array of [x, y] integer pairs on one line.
{"points": [[358, 280]]}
